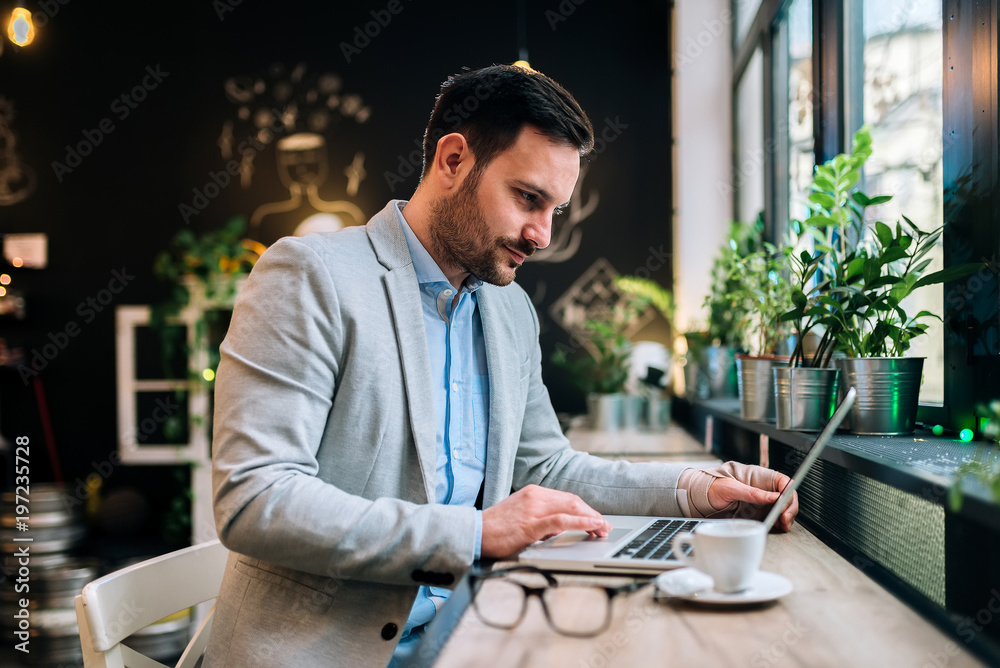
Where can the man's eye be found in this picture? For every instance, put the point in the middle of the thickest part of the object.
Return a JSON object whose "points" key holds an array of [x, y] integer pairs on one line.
{"points": [[530, 198]]}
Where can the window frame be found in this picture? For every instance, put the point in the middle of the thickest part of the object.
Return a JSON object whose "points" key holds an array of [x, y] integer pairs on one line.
{"points": [[971, 36]]}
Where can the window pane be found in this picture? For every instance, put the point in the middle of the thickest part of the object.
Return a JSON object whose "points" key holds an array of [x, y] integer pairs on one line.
{"points": [[902, 105], [745, 11], [748, 174], [799, 119]]}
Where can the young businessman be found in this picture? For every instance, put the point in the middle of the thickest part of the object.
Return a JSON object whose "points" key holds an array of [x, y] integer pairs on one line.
{"points": [[380, 416]]}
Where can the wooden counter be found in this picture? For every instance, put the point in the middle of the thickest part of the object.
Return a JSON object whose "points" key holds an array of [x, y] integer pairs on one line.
{"points": [[835, 616]]}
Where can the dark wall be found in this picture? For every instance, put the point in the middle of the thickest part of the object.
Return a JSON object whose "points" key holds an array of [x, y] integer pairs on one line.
{"points": [[121, 205]]}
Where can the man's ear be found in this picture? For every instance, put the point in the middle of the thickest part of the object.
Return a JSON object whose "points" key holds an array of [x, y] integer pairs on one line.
{"points": [[453, 160]]}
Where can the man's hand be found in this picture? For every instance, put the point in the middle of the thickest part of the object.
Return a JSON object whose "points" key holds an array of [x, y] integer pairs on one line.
{"points": [[753, 502], [737, 490], [536, 513]]}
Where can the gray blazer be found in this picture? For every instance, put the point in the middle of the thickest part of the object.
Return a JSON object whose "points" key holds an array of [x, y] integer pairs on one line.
{"points": [[324, 451]]}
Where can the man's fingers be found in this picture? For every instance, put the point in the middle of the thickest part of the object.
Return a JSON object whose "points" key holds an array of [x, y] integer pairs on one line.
{"points": [[553, 524], [753, 495]]}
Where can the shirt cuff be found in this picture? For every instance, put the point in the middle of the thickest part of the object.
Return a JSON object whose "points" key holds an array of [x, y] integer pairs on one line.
{"points": [[479, 535]]}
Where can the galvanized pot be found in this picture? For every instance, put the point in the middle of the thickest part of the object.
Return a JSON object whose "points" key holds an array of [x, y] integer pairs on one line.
{"points": [[606, 411], [804, 397], [657, 413], [888, 393], [633, 408], [756, 385]]}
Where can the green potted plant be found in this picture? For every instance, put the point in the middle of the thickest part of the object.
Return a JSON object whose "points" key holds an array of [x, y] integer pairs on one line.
{"points": [[759, 295], [654, 391], [603, 373], [710, 360], [204, 273], [866, 272], [805, 390]]}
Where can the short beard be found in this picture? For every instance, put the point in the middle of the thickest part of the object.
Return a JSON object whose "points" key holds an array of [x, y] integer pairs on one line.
{"points": [[460, 236]]}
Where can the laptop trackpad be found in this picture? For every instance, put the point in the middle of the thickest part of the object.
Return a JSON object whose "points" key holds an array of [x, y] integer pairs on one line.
{"points": [[583, 544]]}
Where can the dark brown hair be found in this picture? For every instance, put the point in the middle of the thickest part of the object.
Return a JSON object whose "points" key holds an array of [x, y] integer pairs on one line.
{"points": [[489, 107]]}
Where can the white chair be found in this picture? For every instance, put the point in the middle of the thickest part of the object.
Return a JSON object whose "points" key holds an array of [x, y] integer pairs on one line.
{"points": [[117, 605]]}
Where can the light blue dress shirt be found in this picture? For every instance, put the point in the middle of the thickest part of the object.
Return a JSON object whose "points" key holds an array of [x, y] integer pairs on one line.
{"points": [[461, 403]]}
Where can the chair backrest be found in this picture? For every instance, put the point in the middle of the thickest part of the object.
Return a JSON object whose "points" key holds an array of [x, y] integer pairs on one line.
{"points": [[117, 605]]}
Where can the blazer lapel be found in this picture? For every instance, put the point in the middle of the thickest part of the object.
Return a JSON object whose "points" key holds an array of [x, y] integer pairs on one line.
{"points": [[404, 298], [386, 235], [503, 364]]}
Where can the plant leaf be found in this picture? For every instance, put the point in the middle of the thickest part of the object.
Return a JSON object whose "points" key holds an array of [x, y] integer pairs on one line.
{"points": [[883, 233], [949, 274], [823, 199]]}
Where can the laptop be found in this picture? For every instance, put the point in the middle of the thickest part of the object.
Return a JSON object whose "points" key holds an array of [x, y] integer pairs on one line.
{"points": [[642, 545]]}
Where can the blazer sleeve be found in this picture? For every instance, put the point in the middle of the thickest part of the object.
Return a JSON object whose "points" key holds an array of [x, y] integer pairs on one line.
{"points": [[274, 389], [544, 457]]}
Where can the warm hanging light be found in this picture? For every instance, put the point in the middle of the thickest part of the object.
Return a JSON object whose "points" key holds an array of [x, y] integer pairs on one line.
{"points": [[522, 38], [21, 30]]}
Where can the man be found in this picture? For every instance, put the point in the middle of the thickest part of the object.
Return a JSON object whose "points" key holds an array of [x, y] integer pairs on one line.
{"points": [[374, 382]]}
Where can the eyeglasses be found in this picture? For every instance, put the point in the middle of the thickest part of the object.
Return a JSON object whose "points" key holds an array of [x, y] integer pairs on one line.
{"points": [[500, 599]]}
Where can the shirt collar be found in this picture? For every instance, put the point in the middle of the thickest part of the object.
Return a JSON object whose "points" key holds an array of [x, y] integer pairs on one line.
{"points": [[424, 266]]}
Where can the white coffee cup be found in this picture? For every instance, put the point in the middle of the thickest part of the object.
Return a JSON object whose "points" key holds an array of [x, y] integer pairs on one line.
{"points": [[729, 551]]}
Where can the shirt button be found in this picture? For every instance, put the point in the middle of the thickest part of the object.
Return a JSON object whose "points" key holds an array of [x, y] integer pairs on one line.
{"points": [[454, 387], [447, 293]]}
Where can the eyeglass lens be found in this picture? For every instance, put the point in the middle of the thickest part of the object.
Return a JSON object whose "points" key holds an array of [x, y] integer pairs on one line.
{"points": [[572, 610]]}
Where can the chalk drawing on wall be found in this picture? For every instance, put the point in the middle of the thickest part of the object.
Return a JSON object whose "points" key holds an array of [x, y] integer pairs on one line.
{"points": [[17, 180], [299, 114], [593, 296]]}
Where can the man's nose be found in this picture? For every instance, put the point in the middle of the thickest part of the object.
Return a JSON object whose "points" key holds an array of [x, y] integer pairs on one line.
{"points": [[539, 230]]}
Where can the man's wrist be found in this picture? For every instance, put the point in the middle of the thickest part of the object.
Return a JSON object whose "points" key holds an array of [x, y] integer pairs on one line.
{"points": [[478, 552], [694, 483]]}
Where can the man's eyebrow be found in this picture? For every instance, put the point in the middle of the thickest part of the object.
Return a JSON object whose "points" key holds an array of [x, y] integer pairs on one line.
{"points": [[541, 192]]}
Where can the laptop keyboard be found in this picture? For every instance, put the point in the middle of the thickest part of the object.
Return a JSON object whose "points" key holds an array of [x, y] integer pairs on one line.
{"points": [[654, 543]]}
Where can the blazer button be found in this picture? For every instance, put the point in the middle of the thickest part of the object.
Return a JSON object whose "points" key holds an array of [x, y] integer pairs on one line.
{"points": [[389, 631]]}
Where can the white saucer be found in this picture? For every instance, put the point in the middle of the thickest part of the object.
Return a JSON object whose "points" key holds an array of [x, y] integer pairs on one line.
{"points": [[690, 584]]}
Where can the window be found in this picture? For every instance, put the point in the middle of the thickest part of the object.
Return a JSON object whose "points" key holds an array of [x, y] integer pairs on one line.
{"points": [[793, 114], [744, 12], [895, 85], [748, 172], [880, 63]]}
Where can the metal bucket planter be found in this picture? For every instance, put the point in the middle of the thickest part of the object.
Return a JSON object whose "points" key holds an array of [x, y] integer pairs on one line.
{"points": [[633, 408], [606, 411], [804, 398], [695, 376], [657, 416], [888, 392], [756, 386]]}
